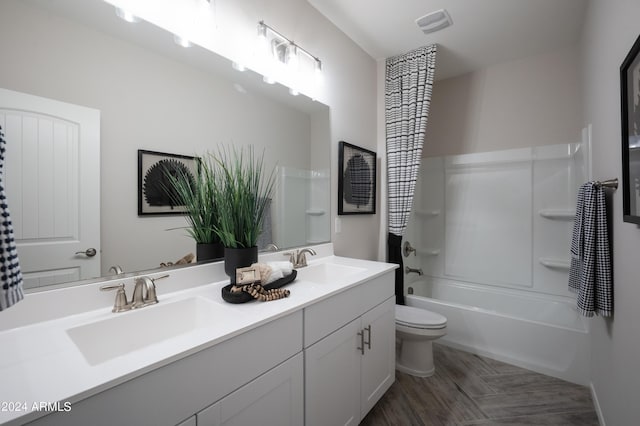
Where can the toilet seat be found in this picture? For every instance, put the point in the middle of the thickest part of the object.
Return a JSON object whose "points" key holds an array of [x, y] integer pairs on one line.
{"points": [[411, 317]]}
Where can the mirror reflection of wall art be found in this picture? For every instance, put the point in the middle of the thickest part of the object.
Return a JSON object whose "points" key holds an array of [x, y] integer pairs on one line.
{"points": [[630, 100], [356, 180], [153, 185]]}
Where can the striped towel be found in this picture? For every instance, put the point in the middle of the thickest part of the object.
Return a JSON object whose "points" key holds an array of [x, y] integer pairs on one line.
{"points": [[10, 275], [590, 272]]}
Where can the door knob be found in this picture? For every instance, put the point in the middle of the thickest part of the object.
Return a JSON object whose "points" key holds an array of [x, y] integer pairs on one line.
{"points": [[90, 252]]}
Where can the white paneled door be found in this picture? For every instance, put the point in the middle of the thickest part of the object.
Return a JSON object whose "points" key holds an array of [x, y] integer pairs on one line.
{"points": [[52, 182]]}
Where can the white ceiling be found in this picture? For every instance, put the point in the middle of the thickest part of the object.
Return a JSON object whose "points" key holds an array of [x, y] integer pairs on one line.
{"points": [[484, 32]]}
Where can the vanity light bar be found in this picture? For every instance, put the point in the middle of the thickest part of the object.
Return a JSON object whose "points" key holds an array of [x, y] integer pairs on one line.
{"points": [[293, 49]]}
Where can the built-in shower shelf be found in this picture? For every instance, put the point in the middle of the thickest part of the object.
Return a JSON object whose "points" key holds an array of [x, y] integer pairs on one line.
{"points": [[553, 263], [428, 252], [315, 212], [562, 214], [427, 213]]}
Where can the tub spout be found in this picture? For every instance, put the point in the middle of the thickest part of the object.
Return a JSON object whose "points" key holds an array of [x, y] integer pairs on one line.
{"points": [[408, 270]]}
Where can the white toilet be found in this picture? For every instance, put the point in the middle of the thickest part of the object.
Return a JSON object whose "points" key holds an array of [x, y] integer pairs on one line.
{"points": [[415, 330]]}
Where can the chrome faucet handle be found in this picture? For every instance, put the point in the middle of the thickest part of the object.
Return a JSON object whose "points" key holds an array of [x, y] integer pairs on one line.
{"points": [[292, 257], [121, 304], [407, 249], [152, 297]]}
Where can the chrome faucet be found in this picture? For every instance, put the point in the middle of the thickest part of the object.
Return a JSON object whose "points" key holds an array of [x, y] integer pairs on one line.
{"points": [[141, 297], [299, 258], [144, 293], [117, 269], [408, 270], [271, 247]]}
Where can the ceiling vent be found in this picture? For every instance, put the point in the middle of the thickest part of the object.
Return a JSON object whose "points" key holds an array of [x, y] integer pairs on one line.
{"points": [[434, 21]]}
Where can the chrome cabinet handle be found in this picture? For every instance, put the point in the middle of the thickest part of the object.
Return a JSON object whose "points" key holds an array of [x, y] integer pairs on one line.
{"points": [[90, 252], [361, 347], [368, 342]]}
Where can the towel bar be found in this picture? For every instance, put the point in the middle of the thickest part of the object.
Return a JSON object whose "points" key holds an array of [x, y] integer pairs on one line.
{"points": [[609, 183]]}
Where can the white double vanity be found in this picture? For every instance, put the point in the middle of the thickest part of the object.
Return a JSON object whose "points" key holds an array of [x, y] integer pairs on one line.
{"points": [[323, 356]]}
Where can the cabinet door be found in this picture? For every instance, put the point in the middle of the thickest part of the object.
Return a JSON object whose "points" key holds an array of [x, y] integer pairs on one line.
{"points": [[379, 360], [332, 378], [273, 399]]}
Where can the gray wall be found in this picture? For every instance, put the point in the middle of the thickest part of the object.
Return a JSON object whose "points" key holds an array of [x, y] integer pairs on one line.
{"points": [[527, 102], [610, 29]]}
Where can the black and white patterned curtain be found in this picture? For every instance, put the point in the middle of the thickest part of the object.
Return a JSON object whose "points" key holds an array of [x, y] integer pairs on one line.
{"points": [[408, 88], [11, 277]]}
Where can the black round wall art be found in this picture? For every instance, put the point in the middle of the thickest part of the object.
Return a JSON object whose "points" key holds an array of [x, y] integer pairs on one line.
{"points": [[157, 187]]}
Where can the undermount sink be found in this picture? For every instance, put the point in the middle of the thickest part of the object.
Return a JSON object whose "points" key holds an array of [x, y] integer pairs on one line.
{"points": [[126, 332], [327, 272]]}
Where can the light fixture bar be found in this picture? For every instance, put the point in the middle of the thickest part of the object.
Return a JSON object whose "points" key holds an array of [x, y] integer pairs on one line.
{"points": [[262, 32]]}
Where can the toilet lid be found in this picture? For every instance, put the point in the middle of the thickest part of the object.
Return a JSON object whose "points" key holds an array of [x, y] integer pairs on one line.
{"points": [[419, 318]]}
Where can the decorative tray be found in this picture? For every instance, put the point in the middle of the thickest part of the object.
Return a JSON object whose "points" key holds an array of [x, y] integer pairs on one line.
{"points": [[242, 297]]}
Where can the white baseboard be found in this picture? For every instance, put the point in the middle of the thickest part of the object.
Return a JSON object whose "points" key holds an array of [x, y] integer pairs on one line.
{"points": [[596, 405]]}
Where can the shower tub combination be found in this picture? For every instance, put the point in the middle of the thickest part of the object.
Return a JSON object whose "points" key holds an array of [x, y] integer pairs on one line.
{"points": [[492, 234], [542, 335]]}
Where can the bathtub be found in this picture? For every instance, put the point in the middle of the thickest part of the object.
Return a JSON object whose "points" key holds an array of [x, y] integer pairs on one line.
{"points": [[538, 332]]}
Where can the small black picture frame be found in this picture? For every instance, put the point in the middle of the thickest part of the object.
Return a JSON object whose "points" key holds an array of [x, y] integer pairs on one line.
{"points": [[356, 180], [630, 123], [153, 196]]}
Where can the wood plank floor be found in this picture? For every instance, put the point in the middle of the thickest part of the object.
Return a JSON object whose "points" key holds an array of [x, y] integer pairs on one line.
{"points": [[470, 390]]}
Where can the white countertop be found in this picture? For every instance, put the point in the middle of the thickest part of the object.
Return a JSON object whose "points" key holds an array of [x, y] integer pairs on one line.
{"points": [[39, 363]]}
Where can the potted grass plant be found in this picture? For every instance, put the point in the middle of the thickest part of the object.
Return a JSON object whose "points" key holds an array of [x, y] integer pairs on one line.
{"points": [[242, 190], [197, 195]]}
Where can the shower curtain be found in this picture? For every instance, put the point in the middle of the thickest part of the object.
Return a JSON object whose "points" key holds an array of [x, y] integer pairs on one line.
{"points": [[408, 88], [11, 282]]}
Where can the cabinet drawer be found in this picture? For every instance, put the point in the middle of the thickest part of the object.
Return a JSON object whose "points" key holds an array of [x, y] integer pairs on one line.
{"points": [[322, 318], [172, 393]]}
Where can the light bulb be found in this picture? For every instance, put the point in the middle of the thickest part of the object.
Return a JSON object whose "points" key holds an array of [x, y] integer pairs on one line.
{"points": [[238, 66], [181, 41], [126, 15], [317, 73], [262, 36], [292, 57]]}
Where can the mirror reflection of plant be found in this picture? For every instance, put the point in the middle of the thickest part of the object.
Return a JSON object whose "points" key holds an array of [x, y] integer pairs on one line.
{"points": [[243, 195], [198, 196]]}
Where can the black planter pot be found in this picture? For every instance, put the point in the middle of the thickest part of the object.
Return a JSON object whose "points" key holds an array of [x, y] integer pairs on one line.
{"points": [[235, 258], [209, 251]]}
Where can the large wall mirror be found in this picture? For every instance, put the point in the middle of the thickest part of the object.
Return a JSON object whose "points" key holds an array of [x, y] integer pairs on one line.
{"points": [[154, 95], [630, 101]]}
